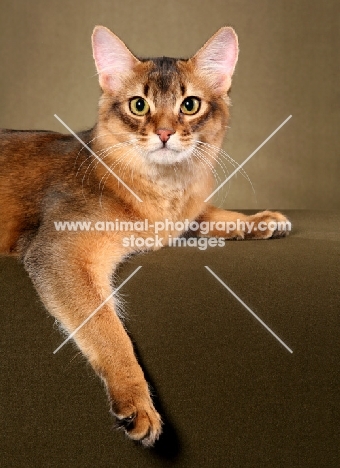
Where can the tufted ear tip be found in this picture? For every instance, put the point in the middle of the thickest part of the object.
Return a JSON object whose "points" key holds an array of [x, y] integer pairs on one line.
{"points": [[218, 57], [112, 58]]}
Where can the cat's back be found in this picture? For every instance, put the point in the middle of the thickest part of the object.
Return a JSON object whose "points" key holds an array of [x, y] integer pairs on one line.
{"points": [[31, 164], [37, 154], [24, 146]]}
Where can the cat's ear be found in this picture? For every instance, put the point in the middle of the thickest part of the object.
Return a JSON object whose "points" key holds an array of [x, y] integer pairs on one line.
{"points": [[113, 59], [217, 58]]}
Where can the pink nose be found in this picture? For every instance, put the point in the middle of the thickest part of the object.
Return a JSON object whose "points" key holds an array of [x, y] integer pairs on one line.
{"points": [[164, 134]]}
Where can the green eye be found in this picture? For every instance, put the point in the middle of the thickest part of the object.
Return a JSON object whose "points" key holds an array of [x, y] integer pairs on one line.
{"points": [[190, 105], [139, 106]]}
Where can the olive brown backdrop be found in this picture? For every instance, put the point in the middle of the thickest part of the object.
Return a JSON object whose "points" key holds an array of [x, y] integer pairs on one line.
{"points": [[288, 65]]}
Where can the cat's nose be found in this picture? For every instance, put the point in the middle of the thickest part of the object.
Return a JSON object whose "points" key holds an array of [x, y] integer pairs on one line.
{"points": [[164, 134]]}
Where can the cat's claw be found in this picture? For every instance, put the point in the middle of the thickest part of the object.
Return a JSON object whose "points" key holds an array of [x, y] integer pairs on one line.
{"points": [[125, 423]]}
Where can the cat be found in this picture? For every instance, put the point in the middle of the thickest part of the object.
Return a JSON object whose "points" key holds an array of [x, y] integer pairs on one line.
{"points": [[161, 122]]}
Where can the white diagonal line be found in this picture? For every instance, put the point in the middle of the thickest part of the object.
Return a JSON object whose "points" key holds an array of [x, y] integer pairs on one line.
{"points": [[98, 158], [96, 310], [249, 310], [246, 160]]}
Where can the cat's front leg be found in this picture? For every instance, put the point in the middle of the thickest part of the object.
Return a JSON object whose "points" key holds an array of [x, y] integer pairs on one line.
{"points": [[72, 275], [234, 225]]}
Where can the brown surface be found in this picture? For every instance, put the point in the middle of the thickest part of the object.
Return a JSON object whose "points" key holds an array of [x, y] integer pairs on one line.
{"points": [[231, 394]]}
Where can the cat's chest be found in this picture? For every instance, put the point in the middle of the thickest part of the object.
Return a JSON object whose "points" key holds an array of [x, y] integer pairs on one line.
{"points": [[182, 198], [174, 205]]}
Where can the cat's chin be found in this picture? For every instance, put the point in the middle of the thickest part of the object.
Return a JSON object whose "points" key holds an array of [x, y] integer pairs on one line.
{"points": [[166, 156]]}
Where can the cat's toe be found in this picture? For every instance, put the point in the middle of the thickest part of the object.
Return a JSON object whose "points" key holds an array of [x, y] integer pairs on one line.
{"points": [[143, 424], [146, 427], [270, 225]]}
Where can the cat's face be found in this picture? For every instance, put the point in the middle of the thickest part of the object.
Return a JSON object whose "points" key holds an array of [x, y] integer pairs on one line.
{"points": [[163, 108]]}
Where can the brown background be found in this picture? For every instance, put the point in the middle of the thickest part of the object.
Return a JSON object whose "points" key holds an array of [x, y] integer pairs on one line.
{"points": [[289, 64]]}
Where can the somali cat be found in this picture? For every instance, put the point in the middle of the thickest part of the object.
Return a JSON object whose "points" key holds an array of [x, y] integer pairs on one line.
{"points": [[160, 127]]}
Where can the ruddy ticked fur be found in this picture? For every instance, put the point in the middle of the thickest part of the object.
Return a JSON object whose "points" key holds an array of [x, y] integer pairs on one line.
{"points": [[160, 127]]}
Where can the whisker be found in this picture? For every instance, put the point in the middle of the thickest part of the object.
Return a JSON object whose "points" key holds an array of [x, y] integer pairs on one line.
{"points": [[221, 195], [215, 158], [226, 156], [93, 164], [209, 168], [117, 145], [107, 174], [95, 138], [204, 151]]}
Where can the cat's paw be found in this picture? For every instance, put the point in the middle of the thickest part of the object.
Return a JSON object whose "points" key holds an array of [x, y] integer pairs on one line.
{"points": [[136, 415], [268, 224]]}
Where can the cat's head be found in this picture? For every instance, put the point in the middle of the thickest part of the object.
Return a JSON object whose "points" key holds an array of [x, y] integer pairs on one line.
{"points": [[164, 107]]}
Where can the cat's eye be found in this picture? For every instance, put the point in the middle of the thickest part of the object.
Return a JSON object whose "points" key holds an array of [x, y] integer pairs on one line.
{"points": [[139, 106], [190, 105]]}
